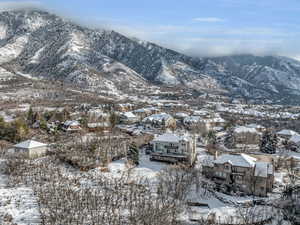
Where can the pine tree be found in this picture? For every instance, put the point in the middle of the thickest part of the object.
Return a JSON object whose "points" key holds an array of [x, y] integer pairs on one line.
{"points": [[30, 116], [269, 142], [133, 154], [211, 137], [229, 141], [113, 119]]}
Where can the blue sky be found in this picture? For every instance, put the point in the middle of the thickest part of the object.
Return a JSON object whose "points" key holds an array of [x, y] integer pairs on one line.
{"points": [[196, 27]]}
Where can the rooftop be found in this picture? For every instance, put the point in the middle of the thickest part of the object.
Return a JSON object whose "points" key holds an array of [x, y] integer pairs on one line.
{"points": [[241, 160], [169, 137], [30, 144]]}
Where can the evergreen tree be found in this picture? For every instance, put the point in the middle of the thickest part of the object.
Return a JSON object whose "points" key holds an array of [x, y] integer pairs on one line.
{"points": [[229, 141], [43, 124], [269, 142], [211, 137], [30, 116], [113, 119], [133, 154]]}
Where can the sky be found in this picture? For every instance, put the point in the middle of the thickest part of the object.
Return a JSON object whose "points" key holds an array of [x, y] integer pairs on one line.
{"points": [[194, 27]]}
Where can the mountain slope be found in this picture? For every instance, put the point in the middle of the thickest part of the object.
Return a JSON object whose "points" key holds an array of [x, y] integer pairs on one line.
{"points": [[43, 45]]}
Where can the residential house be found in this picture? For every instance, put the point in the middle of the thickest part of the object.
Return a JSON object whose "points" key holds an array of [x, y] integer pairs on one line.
{"points": [[181, 116], [142, 113], [174, 148], [246, 135], [190, 121], [286, 134], [294, 143], [71, 126], [128, 118], [99, 126], [124, 107], [31, 149], [258, 127], [162, 120], [98, 114], [241, 172], [295, 139]]}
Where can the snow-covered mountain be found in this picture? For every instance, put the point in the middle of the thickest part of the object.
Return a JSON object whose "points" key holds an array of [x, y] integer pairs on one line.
{"points": [[44, 45], [269, 77]]}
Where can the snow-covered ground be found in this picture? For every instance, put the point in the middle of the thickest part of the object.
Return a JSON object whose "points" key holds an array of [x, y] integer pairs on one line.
{"points": [[19, 203], [145, 170]]}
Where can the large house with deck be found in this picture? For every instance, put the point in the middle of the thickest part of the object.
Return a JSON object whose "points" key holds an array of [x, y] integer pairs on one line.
{"points": [[174, 148]]}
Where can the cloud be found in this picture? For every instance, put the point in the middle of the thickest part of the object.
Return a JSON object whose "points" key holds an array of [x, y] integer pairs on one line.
{"points": [[208, 19], [15, 5]]}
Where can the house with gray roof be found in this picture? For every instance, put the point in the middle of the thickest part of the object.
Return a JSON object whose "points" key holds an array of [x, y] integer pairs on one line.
{"points": [[241, 172], [31, 149]]}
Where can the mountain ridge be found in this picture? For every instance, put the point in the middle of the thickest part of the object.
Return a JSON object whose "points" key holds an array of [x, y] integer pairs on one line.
{"points": [[44, 45]]}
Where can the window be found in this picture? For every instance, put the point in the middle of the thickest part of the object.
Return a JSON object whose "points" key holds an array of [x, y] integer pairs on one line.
{"points": [[239, 179], [220, 174]]}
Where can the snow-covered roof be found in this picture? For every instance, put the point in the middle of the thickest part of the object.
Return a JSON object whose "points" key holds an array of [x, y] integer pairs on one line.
{"points": [[287, 132], [98, 112], [71, 123], [142, 110], [170, 137], [200, 113], [157, 117], [100, 124], [192, 119], [263, 169], [181, 115], [256, 126], [295, 139], [241, 160], [129, 115], [243, 129], [30, 144]]}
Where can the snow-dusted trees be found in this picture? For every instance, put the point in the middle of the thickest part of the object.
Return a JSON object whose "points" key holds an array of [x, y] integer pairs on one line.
{"points": [[91, 198], [268, 143]]}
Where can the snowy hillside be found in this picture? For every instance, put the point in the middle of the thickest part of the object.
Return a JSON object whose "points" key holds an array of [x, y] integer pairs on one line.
{"points": [[43, 45]]}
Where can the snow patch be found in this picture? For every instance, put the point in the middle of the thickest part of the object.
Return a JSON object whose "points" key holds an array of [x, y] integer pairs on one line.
{"points": [[3, 31], [166, 76], [13, 50], [76, 45], [36, 58]]}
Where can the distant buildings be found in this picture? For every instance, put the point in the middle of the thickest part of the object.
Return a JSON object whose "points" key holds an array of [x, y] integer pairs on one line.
{"points": [[174, 148], [241, 172]]}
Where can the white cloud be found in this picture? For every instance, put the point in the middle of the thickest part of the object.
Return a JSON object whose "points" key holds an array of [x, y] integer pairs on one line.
{"points": [[11, 5], [208, 19]]}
